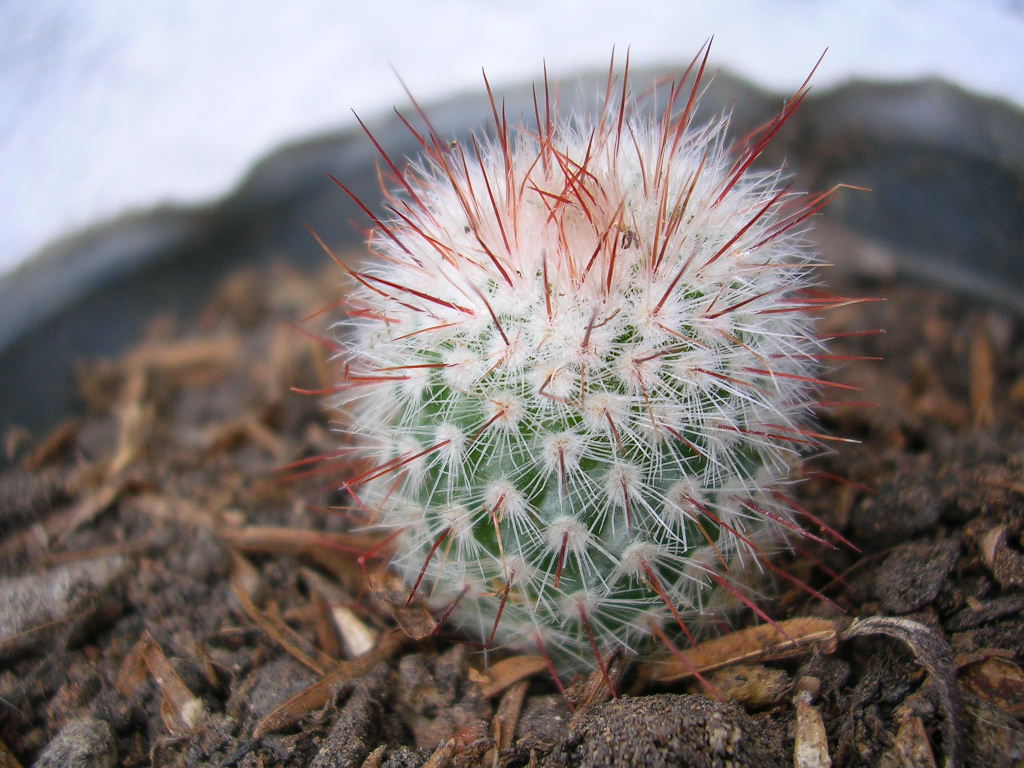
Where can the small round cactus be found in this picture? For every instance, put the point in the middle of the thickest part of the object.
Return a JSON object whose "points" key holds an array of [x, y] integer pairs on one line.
{"points": [[579, 369]]}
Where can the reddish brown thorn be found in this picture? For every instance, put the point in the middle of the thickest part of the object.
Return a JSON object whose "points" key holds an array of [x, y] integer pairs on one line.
{"points": [[501, 610], [743, 303], [768, 134], [561, 559], [628, 505], [418, 294], [805, 301], [423, 570], [497, 507], [743, 230], [689, 444], [622, 105], [542, 154], [495, 208], [781, 573], [597, 250], [451, 607], [808, 379], [656, 585], [786, 523], [373, 552], [414, 367], [655, 629], [398, 174], [489, 422], [813, 434], [494, 317], [707, 536], [443, 251], [366, 314], [360, 379], [597, 653], [321, 391], [614, 431], [837, 578], [547, 288], [738, 594], [850, 334], [501, 131], [337, 260], [309, 460], [822, 525], [732, 379], [440, 327], [539, 642], [846, 404], [380, 224], [324, 341], [840, 479], [808, 356], [613, 257], [769, 435], [392, 465], [543, 387], [691, 102]]}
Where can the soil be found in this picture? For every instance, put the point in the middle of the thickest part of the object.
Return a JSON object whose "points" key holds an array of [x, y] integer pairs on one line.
{"points": [[178, 587]]}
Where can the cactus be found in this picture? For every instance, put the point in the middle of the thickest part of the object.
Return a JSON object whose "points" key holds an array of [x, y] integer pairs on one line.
{"points": [[579, 372]]}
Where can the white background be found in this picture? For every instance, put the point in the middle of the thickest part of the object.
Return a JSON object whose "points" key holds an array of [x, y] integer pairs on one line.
{"points": [[115, 105]]}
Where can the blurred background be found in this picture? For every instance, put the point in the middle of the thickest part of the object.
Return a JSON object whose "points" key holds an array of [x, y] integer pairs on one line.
{"points": [[145, 147], [115, 105]]}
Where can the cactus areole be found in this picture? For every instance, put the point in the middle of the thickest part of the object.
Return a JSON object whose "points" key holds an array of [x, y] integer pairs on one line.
{"points": [[578, 372]]}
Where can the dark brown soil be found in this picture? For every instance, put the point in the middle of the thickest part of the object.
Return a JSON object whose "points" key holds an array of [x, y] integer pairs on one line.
{"points": [[166, 589]]}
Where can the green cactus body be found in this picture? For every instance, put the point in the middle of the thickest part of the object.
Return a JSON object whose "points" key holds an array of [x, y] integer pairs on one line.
{"points": [[577, 374]]}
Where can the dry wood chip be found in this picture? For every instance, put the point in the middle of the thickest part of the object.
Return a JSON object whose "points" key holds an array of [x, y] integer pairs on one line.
{"points": [[442, 755], [271, 623], [911, 745], [327, 639], [132, 672], [181, 711], [934, 654], [503, 725], [967, 658], [135, 420], [221, 437], [334, 551], [187, 356], [317, 695], [392, 594], [7, 758], [982, 377], [603, 683], [766, 642], [752, 685], [54, 446], [375, 758], [357, 636], [15, 438], [89, 506], [999, 681], [499, 676], [810, 744], [1017, 392], [1001, 557], [134, 547]]}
